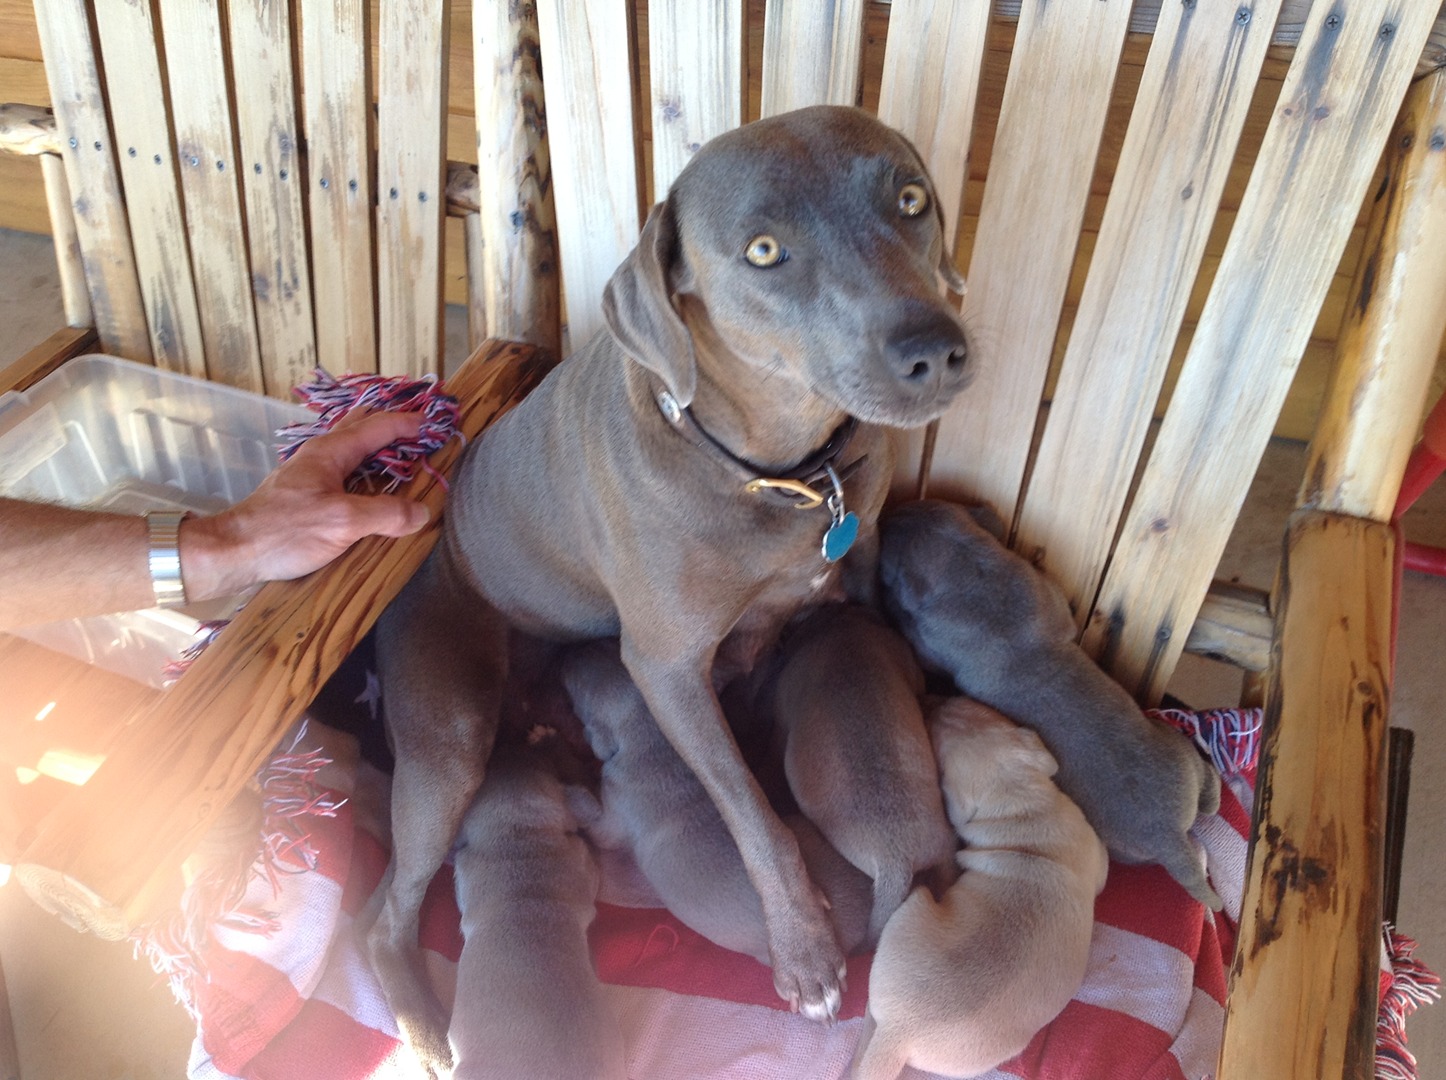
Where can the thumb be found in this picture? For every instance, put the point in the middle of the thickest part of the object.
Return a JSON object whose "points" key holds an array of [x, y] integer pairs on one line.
{"points": [[391, 515]]}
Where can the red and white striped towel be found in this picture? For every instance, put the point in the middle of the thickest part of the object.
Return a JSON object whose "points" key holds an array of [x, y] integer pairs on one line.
{"points": [[301, 1002]]}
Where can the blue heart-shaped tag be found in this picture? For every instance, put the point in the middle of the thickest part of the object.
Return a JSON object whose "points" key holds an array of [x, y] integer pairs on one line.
{"points": [[840, 537]]}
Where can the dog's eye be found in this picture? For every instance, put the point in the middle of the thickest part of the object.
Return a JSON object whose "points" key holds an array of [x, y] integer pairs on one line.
{"points": [[913, 200], [764, 251]]}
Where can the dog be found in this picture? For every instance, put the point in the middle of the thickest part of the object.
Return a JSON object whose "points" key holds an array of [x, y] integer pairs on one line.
{"points": [[682, 482], [959, 986], [528, 1002], [856, 755], [1003, 632], [654, 809]]}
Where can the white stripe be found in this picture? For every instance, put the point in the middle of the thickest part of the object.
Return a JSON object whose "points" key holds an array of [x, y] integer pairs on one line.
{"points": [[1197, 1048], [1225, 855], [349, 984], [308, 910], [1138, 976], [201, 1067]]}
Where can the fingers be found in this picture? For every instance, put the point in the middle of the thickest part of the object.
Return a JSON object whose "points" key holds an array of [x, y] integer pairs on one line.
{"points": [[387, 515], [352, 441]]}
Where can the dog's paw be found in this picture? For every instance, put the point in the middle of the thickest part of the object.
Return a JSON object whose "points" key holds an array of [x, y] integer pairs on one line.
{"points": [[812, 981], [430, 1051]]}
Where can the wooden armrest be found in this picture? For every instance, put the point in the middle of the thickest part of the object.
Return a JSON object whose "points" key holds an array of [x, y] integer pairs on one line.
{"points": [[1303, 987], [28, 129], [106, 858], [40, 361]]}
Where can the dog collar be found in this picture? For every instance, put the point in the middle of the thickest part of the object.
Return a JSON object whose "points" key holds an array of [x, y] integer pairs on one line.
{"points": [[797, 487]]}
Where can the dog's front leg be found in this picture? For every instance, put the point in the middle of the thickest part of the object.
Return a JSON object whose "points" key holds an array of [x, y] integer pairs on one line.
{"points": [[808, 965]]}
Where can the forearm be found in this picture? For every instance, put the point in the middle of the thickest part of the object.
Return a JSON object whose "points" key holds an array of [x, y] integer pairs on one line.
{"points": [[60, 563]]}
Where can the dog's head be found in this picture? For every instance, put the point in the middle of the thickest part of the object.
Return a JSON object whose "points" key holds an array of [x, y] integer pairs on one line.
{"points": [[809, 247], [987, 762]]}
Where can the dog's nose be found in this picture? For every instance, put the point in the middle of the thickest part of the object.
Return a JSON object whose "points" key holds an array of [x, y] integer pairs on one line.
{"points": [[929, 350]]}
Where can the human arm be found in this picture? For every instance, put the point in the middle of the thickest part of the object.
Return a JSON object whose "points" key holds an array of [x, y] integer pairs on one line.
{"points": [[57, 562]]}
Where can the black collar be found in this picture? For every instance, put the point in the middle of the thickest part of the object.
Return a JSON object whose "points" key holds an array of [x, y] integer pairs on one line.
{"points": [[806, 485]]}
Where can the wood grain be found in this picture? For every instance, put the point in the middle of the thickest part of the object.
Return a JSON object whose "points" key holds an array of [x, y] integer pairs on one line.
{"points": [[180, 764], [594, 165], [1393, 330], [1029, 223], [95, 189], [201, 115], [1303, 985], [69, 263], [272, 180], [812, 54], [1192, 104], [63, 345], [695, 67], [28, 129], [929, 90], [1345, 85], [411, 179], [517, 280], [339, 183]]}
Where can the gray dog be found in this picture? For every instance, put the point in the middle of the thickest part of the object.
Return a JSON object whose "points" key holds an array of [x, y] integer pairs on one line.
{"points": [[845, 704], [529, 1002], [683, 482], [653, 807], [1003, 631]]}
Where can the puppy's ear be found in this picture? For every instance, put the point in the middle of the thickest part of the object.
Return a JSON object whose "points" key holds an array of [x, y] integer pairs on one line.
{"points": [[1033, 754], [638, 306]]}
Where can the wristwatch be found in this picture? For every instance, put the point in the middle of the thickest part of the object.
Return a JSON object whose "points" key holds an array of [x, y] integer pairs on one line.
{"points": [[164, 555]]}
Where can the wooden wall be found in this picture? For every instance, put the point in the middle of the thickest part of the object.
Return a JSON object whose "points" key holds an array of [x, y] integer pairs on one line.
{"points": [[22, 201]]}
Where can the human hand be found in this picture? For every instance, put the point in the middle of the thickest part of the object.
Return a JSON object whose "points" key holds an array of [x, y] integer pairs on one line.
{"points": [[301, 517]]}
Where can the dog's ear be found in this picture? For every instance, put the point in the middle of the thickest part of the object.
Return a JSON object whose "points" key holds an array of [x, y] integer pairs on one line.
{"points": [[1032, 752], [638, 306], [947, 270]]}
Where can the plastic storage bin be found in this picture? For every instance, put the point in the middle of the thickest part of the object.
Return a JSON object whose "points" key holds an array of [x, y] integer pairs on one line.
{"points": [[110, 434]]}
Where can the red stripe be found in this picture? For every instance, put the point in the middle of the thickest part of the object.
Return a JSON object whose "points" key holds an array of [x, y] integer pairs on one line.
{"points": [[322, 1043], [331, 839], [441, 919], [1233, 814], [650, 948], [1216, 950], [244, 1004], [1086, 1041], [1146, 900], [368, 863]]}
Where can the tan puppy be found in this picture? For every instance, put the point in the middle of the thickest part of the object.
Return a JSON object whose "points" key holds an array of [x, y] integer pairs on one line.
{"points": [[845, 703], [529, 1003], [961, 985]]}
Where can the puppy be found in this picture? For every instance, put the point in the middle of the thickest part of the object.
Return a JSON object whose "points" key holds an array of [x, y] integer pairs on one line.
{"points": [[845, 706], [529, 1003], [961, 985], [654, 808], [1003, 632]]}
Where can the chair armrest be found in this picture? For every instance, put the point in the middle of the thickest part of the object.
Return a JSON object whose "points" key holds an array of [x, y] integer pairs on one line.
{"points": [[28, 130], [1303, 987], [40, 361], [106, 858]]}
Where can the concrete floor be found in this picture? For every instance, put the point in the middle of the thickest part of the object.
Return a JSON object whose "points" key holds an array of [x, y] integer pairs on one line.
{"points": [[85, 1008]]}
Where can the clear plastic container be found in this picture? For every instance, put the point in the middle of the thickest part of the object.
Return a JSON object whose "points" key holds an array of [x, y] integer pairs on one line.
{"points": [[110, 434]]}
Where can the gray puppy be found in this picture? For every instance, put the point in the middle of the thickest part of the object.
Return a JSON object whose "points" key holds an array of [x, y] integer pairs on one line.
{"points": [[653, 807], [845, 706], [1003, 631], [528, 1002]]}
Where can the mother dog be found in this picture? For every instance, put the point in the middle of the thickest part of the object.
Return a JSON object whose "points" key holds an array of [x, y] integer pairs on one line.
{"points": [[685, 482]]}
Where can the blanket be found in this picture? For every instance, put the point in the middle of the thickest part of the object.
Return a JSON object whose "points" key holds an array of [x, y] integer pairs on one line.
{"points": [[271, 968]]}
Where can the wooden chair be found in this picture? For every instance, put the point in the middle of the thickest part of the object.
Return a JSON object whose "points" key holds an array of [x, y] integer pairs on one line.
{"points": [[1145, 195]]}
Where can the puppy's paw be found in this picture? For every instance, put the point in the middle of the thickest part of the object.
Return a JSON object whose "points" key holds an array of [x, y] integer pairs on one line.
{"points": [[431, 1054]]}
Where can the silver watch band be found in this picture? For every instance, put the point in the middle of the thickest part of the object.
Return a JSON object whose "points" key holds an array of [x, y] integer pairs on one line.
{"points": [[164, 554]]}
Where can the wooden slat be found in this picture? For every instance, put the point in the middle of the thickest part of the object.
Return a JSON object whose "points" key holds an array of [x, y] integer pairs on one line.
{"points": [[1392, 332], [74, 298], [265, 102], [1303, 986], [40, 361], [1234, 626], [148, 168], [929, 90], [812, 54], [519, 285], [1192, 104], [339, 186], [411, 181], [201, 113], [182, 762], [695, 64], [1034, 202], [1344, 87], [28, 129], [590, 132], [90, 170]]}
